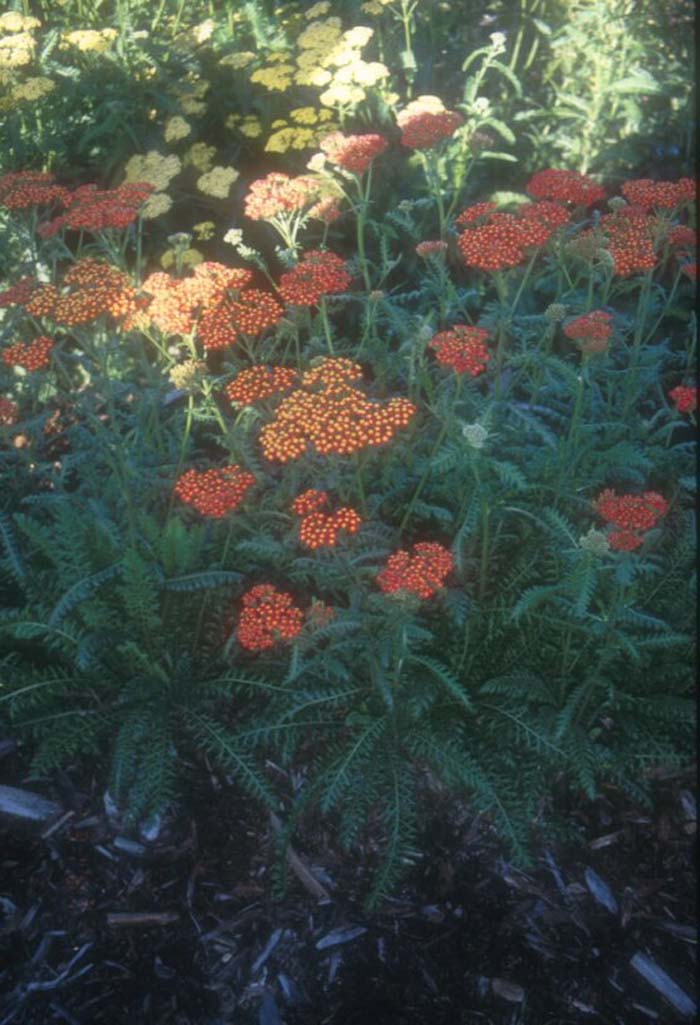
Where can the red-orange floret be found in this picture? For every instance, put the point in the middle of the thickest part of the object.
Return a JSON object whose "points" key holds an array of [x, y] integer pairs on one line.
{"points": [[631, 240], [90, 289], [431, 248], [268, 616], [260, 382], [22, 189], [625, 540], [683, 238], [685, 398], [475, 212], [690, 270], [505, 239], [250, 313], [647, 194], [35, 355], [318, 273], [214, 492], [353, 152], [565, 187], [9, 412], [91, 209], [329, 413], [462, 348], [279, 193], [421, 572], [20, 293], [425, 129]]}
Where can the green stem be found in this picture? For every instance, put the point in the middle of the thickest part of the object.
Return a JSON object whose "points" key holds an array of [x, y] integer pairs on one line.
{"points": [[326, 325]]}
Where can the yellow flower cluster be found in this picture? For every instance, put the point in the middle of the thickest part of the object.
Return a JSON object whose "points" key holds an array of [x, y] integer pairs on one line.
{"points": [[374, 6], [200, 156], [308, 126], [13, 21], [277, 77], [217, 182], [153, 168], [204, 230], [89, 40], [318, 10], [189, 258], [32, 89], [176, 128], [248, 125], [237, 61], [190, 96], [157, 203], [17, 50]]}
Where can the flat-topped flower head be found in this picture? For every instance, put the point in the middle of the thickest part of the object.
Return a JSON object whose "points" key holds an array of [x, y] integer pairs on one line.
{"points": [[462, 348], [631, 515], [321, 529], [22, 189], [648, 194], [565, 187], [354, 153], [591, 331], [214, 492], [505, 240], [9, 412], [421, 572], [260, 382], [268, 616], [279, 193], [435, 248], [35, 355], [317, 274], [309, 501], [425, 122], [685, 398]]}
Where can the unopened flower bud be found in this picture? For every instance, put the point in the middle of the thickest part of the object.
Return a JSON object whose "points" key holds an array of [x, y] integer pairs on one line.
{"points": [[188, 374], [555, 313], [475, 435], [617, 203], [594, 541]]}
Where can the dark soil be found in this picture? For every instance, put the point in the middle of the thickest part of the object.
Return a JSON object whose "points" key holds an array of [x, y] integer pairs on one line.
{"points": [[468, 940]]}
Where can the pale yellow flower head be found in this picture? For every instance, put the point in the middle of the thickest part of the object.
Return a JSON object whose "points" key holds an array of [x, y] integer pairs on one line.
{"points": [[217, 182], [237, 60], [176, 128], [17, 51], [204, 230], [200, 156], [318, 10], [190, 258], [33, 89], [90, 40], [158, 203], [277, 78], [153, 168], [13, 21]]}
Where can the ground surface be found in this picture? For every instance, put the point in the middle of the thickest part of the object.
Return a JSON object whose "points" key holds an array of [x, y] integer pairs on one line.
{"points": [[469, 940]]}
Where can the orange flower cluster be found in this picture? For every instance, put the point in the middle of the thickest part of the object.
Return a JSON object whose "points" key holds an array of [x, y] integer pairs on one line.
{"points": [[20, 293], [279, 194], [268, 615], [260, 382], [421, 573], [327, 209], [9, 412], [250, 314], [632, 514], [647, 194], [318, 273], [94, 289], [214, 492], [22, 189], [423, 129], [505, 239], [690, 270], [565, 187], [590, 331], [462, 348], [685, 398], [319, 529], [683, 238], [91, 209], [34, 355], [431, 248], [330, 413], [174, 303], [353, 152]]}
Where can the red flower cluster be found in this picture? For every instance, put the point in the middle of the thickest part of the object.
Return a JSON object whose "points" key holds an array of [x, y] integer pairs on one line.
{"points": [[91, 209], [647, 194], [632, 514], [421, 573], [462, 348], [591, 331], [475, 212], [9, 412], [504, 240], [683, 238], [21, 189], [34, 355], [327, 209], [330, 413], [630, 235], [565, 187], [685, 398], [174, 303], [92, 289], [436, 248], [353, 152], [317, 274], [214, 492], [423, 129], [320, 529], [690, 270], [260, 382], [279, 194], [309, 501], [20, 293], [268, 615]]}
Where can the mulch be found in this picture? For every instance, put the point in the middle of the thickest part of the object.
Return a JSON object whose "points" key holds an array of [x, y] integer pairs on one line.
{"points": [[100, 927]]}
